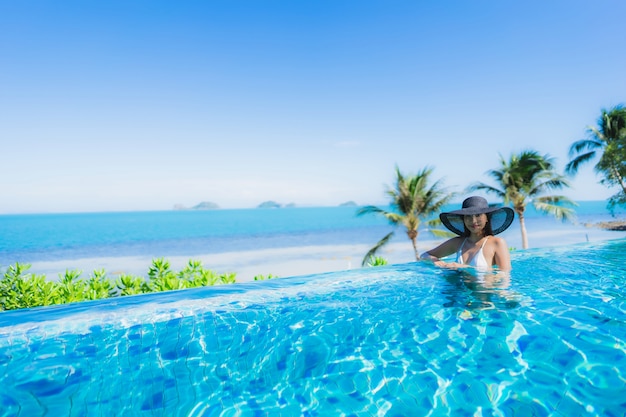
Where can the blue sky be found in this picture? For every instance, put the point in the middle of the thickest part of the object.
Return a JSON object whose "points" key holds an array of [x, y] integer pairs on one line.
{"points": [[141, 105]]}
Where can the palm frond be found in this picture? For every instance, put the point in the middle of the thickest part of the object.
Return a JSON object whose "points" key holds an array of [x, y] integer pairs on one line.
{"points": [[572, 166], [369, 209], [479, 186], [584, 145], [557, 199], [372, 252], [412, 201], [559, 212], [616, 200], [442, 233], [527, 176], [434, 227], [607, 140], [392, 217], [550, 182], [433, 223]]}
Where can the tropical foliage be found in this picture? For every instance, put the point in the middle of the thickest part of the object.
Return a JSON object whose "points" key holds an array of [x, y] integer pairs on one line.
{"points": [[21, 289], [376, 261], [606, 143], [527, 178], [413, 202], [262, 277]]}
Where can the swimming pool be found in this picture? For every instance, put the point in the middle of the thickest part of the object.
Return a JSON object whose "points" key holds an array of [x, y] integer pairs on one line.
{"points": [[399, 340]]}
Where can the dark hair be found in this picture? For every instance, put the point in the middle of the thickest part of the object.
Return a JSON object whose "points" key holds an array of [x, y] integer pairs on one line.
{"points": [[488, 229]]}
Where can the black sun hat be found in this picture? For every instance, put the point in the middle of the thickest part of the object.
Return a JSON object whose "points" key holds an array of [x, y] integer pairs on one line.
{"points": [[500, 217]]}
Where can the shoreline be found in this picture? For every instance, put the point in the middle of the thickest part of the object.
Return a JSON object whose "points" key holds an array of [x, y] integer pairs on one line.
{"points": [[614, 225], [279, 262], [318, 259]]}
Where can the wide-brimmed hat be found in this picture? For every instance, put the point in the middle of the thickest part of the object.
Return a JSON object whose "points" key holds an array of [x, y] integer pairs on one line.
{"points": [[501, 217]]}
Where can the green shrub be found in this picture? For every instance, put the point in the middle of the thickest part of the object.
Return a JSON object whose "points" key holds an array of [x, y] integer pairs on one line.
{"points": [[162, 278], [21, 289], [376, 261], [228, 278], [99, 286], [264, 277], [196, 276], [71, 288], [131, 285]]}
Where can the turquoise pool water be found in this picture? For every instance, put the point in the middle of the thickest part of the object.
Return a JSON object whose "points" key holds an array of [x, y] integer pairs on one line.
{"points": [[400, 340]]}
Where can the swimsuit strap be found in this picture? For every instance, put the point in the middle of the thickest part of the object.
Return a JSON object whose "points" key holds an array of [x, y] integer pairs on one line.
{"points": [[459, 252], [459, 256]]}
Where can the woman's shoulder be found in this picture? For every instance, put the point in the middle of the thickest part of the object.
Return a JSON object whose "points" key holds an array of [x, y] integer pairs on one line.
{"points": [[497, 241]]}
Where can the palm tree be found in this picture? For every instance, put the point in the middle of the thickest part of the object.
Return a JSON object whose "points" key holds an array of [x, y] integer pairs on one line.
{"points": [[524, 179], [413, 201], [607, 141]]}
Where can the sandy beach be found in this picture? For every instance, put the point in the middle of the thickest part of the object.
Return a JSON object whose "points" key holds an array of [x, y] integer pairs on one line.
{"points": [[280, 262], [305, 260]]}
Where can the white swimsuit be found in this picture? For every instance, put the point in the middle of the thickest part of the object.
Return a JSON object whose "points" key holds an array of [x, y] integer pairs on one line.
{"points": [[477, 261]]}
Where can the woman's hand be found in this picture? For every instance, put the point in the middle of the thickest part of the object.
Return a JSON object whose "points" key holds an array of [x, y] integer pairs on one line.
{"points": [[449, 265]]}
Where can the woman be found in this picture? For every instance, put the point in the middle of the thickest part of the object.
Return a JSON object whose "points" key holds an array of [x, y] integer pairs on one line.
{"points": [[476, 224]]}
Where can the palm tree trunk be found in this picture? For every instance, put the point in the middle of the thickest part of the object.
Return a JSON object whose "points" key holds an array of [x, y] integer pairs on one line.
{"points": [[522, 226], [619, 178], [413, 236], [417, 255]]}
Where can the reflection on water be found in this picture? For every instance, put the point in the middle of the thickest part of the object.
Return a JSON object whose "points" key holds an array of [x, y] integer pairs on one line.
{"points": [[400, 340], [468, 288]]}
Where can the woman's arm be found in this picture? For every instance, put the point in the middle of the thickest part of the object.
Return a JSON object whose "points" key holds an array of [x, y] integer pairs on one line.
{"points": [[501, 254], [446, 248]]}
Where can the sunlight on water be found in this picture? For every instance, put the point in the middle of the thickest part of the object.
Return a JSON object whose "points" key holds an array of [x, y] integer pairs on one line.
{"points": [[400, 340]]}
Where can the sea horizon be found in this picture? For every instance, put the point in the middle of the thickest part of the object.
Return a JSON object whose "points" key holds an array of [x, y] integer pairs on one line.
{"points": [[280, 206]]}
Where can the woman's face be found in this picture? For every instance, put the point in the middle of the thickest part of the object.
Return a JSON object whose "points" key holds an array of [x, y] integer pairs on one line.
{"points": [[475, 223]]}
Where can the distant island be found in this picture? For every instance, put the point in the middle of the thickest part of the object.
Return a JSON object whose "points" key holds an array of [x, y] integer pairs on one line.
{"points": [[205, 205], [274, 204], [209, 205], [269, 204]]}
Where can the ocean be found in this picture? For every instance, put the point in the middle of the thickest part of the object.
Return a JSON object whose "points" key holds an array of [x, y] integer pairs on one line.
{"points": [[240, 240]]}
